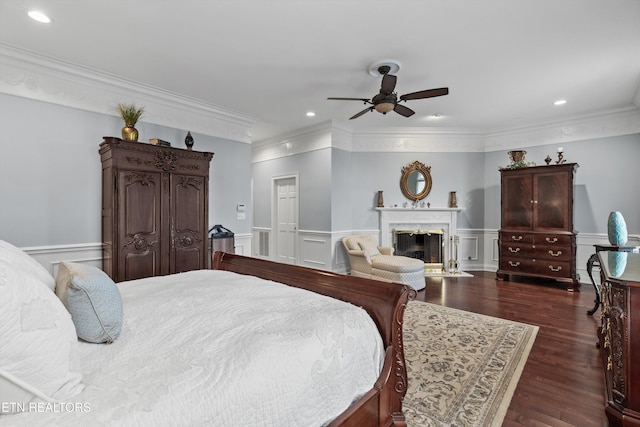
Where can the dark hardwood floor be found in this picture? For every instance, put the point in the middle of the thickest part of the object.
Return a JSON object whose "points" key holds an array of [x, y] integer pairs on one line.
{"points": [[562, 383]]}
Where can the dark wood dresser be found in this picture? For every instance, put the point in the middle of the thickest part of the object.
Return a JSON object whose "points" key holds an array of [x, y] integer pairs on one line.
{"points": [[155, 204], [536, 237], [620, 336]]}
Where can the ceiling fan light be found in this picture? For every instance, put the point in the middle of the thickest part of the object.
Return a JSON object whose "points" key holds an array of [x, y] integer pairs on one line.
{"points": [[384, 107]]}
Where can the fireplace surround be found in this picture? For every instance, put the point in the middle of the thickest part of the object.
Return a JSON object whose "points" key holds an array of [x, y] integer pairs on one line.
{"points": [[420, 219], [425, 245]]}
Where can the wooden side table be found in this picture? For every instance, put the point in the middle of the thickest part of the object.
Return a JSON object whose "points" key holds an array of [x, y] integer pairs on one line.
{"points": [[593, 262]]}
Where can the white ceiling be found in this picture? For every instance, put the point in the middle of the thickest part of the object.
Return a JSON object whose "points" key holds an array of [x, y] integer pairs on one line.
{"points": [[504, 61]]}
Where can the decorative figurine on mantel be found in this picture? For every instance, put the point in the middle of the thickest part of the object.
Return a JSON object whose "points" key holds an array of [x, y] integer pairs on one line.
{"points": [[548, 159], [188, 141], [453, 200], [561, 159]]}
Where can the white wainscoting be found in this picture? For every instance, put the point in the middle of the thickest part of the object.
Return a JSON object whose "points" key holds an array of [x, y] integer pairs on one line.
{"points": [[315, 249], [477, 249], [91, 253], [242, 244], [51, 256]]}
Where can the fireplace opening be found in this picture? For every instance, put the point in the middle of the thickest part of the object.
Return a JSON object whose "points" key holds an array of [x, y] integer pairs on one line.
{"points": [[426, 245]]}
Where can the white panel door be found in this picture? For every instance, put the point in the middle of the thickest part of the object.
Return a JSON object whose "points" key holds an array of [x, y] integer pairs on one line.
{"points": [[286, 219]]}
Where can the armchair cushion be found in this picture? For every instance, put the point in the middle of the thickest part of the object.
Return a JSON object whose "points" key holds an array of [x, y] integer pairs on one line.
{"points": [[396, 264], [369, 247]]}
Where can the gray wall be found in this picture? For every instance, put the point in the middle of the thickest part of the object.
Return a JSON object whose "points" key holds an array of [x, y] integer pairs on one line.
{"points": [[341, 189], [314, 186], [50, 172], [460, 172]]}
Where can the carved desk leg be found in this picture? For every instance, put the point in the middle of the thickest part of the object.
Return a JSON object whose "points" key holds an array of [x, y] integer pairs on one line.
{"points": [[593, 259]]}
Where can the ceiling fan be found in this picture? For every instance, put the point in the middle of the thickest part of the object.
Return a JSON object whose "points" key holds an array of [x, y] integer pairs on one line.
{"points": [[387, 99]]}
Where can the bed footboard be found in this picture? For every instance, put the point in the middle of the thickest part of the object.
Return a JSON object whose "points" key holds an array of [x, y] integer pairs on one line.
{"points": [[385, 302]]}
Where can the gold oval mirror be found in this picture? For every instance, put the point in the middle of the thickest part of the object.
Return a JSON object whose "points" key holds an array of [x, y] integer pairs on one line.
{"points": [[415, 181]]}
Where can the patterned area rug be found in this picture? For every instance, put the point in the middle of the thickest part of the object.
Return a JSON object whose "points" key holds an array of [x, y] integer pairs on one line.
{"points": [[463, 367]]}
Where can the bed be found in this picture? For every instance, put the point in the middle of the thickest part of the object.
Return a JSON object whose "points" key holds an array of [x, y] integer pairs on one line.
{"points": [[183, 354]]}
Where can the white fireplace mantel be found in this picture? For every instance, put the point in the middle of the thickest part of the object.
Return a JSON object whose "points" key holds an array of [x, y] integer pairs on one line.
{"points": [[445, 219]]}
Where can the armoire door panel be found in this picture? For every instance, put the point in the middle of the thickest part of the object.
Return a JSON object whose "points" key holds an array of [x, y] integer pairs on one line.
{"points": [[140, 227], [188, 222], [187, 259], [139, 265], [516, 203], [552, 197]]}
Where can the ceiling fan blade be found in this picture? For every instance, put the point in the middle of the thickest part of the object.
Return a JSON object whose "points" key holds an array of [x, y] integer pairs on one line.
{"points": [[366, 110], [403, 111], [388, 83], [352, 99], [425, 94]]}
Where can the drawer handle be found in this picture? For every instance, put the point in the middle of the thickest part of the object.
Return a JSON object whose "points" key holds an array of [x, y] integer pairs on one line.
{"points": [[555, 239], [514, 264], [552, 268], [516, 238], [555, 254], [516, 250]]}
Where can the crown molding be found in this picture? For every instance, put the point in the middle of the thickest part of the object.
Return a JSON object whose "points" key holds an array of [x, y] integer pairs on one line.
{"points": [[415, 139], [612, 123], [579, 128], [331, 134], [33, 76]]}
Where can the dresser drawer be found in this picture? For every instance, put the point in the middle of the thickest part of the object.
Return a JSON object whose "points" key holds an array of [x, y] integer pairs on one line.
{"points": [[539, 267], [553, 239], [551, 268], [518, 250], [515, 237], [515, 264], [553, 253]]}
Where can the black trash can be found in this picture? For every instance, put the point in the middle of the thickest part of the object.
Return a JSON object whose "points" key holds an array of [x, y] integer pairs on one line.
{"points": [[221, 239]]}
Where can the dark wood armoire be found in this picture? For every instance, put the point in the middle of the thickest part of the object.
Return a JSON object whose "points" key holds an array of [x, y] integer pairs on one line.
{"points": [[155, 203], [536, 237]]}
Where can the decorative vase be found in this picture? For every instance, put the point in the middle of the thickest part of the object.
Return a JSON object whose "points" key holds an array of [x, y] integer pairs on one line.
{"points": [[453, 201], [517, 155], [380, 199], [188, 141], [617, 229], [129, 133]]}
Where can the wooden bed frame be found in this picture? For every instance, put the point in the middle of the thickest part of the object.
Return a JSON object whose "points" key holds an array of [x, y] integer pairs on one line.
{"points": [[385, 302]]}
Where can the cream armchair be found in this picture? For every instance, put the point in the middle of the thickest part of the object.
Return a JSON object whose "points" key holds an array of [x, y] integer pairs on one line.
{"points": [[369, 260]]}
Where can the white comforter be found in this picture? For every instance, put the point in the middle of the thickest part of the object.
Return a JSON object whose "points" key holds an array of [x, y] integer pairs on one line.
{"points": [[214, 348]]}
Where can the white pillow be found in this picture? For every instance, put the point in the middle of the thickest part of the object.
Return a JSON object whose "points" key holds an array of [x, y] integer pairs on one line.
{"points": [[93, 300], [38, 341], [26, 264]]}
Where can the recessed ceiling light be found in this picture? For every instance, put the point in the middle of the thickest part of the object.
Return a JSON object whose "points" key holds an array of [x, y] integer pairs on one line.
{"points": [[560, 102], [36, 15], [435, 116], [310, 114]]}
